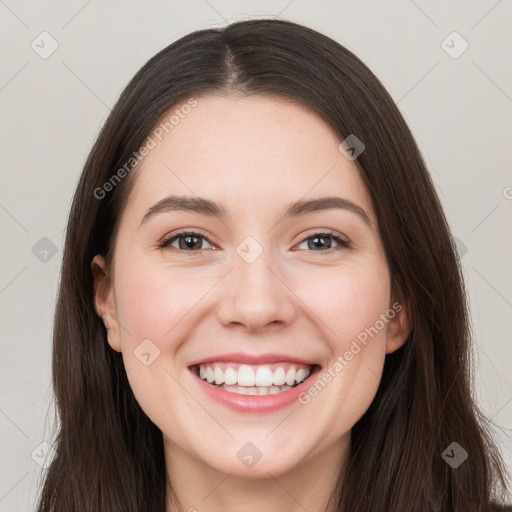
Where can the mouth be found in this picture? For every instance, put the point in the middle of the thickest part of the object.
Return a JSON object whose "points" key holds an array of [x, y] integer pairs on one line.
{"points": [[256, 380]]}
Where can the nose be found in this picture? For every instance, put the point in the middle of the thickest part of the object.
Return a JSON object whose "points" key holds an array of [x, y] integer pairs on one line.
{"points": [[256, 296]]}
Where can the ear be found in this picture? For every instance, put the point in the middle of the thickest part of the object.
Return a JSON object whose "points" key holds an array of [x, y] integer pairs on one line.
{"points": [[400, 325], [104, 302]]}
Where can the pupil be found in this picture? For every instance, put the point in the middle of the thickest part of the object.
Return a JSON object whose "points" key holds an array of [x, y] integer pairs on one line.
{"points": [[312, 245], [188, 242]]}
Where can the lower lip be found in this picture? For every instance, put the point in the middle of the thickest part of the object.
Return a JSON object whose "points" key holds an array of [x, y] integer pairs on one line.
{"points": [[255, 403]]}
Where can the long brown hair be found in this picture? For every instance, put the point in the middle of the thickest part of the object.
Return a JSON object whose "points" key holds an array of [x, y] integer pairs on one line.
{"points": [[110, 455]]}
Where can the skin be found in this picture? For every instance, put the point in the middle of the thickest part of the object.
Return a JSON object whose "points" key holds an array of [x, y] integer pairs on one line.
{"points": [[254, 155]]}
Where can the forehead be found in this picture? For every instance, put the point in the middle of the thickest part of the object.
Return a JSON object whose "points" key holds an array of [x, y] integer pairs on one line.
{"points": [[252, 154]]}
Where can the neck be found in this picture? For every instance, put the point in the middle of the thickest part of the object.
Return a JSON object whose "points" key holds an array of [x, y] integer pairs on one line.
{"points": [[198, 487]]}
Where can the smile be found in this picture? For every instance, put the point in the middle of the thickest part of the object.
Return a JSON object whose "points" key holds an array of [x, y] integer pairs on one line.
{"points": [[261, 380], [253, 383]]}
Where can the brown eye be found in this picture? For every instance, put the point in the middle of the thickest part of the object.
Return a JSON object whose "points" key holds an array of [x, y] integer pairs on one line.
{"points": [[316, 241], [188, 241]]}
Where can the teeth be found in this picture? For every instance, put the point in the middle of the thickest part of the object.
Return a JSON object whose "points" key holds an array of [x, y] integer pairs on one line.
{"points": [[246, 376], [256, 390], [253, 378], [301, 375], [279, 377], [219, 375], [230, 376], [264, 377]]}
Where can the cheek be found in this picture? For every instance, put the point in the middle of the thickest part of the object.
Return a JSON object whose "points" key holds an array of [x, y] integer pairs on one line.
{"points": [[348, 302], [152, 303], [350, 309]]}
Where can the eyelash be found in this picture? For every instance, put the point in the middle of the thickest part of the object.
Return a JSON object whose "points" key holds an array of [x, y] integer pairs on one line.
{"points": [[343, 243]]}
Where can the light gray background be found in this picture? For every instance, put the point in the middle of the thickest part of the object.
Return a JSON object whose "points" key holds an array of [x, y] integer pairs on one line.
{"points": [[459, 110]]}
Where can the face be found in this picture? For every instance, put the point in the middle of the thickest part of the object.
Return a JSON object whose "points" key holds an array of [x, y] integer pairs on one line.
{"points": [[257, 298]]}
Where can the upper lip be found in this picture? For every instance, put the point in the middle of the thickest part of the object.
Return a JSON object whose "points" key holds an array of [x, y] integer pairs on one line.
{"points": [[238, 357]]}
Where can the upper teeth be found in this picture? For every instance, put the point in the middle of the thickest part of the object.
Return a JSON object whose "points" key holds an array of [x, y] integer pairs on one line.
{"points": [[247, 376]]}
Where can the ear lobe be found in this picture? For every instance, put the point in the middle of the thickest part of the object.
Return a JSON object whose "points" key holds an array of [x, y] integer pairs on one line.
{"points": [[104, 300]]}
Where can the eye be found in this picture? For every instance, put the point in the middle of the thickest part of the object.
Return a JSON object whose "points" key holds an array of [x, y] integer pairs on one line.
{"points": [[317, 240], [188, 241]]}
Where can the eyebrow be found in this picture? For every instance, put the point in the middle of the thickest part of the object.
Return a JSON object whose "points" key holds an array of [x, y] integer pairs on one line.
{"points": [[210, 208]]}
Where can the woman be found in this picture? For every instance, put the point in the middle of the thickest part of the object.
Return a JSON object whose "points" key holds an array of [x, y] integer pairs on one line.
{"points": [[209, 353]]}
